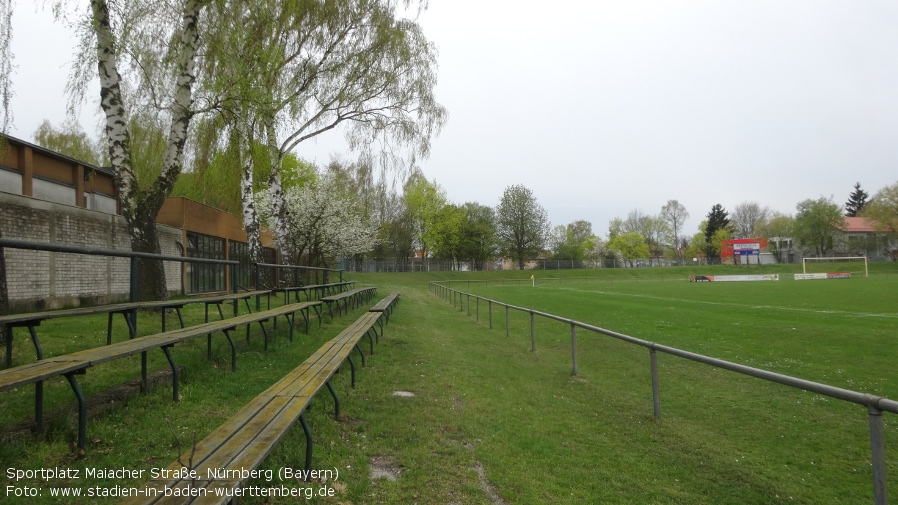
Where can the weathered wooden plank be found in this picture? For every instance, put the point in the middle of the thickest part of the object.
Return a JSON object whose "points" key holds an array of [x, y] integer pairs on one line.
{"points": [[17, 376], [121, 307], [385, 304], [13, 378], [248, 437]]}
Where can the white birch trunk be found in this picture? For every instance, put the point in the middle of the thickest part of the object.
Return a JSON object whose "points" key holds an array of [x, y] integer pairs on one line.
{"points": [[117, 133], [250, 215], [141, 208], [182, 106], [280, 215]]}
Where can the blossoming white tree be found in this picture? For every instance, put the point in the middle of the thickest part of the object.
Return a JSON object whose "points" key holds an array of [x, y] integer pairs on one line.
{"points": [[325, 224]]}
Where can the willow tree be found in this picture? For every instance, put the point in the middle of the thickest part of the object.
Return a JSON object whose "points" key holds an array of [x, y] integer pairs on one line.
{"points": [[306, 68]]}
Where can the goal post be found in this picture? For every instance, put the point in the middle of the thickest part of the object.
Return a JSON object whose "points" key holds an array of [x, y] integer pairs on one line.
{"points": [[830, 264]]}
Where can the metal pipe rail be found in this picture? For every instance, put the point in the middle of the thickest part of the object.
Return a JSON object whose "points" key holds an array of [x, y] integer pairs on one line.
{"points": [[133, 255], [41, 246], [300, 267], [257, 269], [875, 405]]}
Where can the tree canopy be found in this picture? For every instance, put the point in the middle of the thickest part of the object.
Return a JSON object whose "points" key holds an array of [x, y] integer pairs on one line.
{"points": [[522, 224], [884, 209], [631, 245], [296, 70], [816, 224], [674, 216], [71, 141], [747, 217]]}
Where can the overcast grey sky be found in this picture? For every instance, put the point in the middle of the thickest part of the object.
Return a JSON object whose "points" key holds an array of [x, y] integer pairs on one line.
{"points": [[602, 107]]}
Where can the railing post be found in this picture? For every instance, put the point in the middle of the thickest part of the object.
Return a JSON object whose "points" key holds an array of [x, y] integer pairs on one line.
{"points": [[878, 456], [574, 348], [256, 286], [532, 333], [469, 305], [132, 296], [656, 397], [507, 323], [133, 293], [477, 307]]}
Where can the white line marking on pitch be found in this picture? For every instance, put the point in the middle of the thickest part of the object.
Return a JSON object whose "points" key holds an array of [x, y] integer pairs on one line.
{"points": [[730, 304]]}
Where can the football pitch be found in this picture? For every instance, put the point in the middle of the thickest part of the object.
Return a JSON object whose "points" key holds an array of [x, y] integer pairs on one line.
{"points": [[492, 421], [766, 442], [839, 332]]}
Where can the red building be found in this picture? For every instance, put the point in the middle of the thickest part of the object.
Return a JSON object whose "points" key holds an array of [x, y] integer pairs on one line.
{"points": [[741, 250]]}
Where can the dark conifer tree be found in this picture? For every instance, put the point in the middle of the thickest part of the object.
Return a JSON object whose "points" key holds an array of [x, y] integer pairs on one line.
{"points": [[718, 219], [856, 201]]}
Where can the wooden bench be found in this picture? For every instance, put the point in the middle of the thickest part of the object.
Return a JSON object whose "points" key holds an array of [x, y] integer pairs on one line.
{"points": [[248, 437], [317, 289], [353, 297], [386, 307], [128, 310], [77, 363]]}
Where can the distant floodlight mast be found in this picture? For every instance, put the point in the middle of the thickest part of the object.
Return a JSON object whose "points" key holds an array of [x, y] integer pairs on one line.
{"points": [[833, 259]]}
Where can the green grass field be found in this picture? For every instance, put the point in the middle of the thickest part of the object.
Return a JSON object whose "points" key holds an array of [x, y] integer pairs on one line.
{"points": [[494, 422]]}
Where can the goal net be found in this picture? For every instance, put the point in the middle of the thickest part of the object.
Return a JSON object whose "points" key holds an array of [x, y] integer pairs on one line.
{"points": [[856, 265]]}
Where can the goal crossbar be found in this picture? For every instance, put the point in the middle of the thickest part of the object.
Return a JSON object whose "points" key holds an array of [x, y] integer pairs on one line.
{"points": [[833, 259]]}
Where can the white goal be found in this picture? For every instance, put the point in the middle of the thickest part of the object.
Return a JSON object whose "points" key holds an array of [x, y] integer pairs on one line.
{"points": [[854, 264]]}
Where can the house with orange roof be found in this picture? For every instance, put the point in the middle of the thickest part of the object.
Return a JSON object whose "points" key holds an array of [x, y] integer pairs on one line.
{"points": [[861, 237]]}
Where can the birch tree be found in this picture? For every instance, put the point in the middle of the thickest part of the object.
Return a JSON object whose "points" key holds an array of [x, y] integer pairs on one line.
{"points": [[144, 53], [6, 58], [674, 214]]}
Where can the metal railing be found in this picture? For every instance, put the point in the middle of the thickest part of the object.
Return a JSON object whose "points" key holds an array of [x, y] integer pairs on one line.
{"points": [[875, 405], [258, 267], [133, 256]]}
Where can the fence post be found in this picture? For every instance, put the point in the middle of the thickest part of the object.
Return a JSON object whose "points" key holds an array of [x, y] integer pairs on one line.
{"points": [[469, 304], [507, 330], [491, 313], [233, 270], [257, 286], [574, 347], [878, 456], [477, 307], [532, 333], [656, 397], [133, 293], [132, 296]]}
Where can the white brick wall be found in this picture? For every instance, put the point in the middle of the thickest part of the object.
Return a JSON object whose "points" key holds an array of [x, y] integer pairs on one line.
{"points": [[41, 280]]}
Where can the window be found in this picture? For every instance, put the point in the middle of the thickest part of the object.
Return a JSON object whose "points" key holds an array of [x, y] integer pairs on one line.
{"points": [[205, 277], [239, 251]]}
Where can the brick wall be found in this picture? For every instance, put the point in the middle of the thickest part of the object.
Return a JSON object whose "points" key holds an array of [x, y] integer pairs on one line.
{"points": [[38, 280]]}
